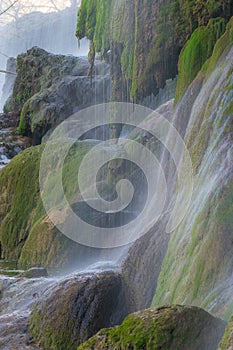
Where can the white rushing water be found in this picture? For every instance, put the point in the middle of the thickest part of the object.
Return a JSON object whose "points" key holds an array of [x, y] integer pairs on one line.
{"points": [[18, 294]]}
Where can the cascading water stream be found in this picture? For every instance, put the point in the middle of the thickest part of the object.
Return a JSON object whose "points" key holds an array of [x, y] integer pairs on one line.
{"points": [[18, 294]]}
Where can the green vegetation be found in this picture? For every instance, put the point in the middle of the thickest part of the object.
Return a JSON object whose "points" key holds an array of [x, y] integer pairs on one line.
{"points": [[93, 22], [198, 49], [174, 327], [62, 339], [189, 273], [26, 233], [143, 57], [19, 195]]}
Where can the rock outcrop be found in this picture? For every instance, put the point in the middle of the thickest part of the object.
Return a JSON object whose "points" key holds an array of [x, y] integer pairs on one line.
{"points": [[168, 327], [142, 39], [49, 88], [26, 233], [73, 310]]}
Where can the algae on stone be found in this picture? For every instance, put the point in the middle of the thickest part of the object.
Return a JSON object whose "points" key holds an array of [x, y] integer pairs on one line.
{"points": [[168, 328], [195, 53], [142, 40], [197, 266], [26, 233]]}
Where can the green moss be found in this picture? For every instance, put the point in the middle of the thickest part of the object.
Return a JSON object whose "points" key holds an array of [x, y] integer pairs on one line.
{"points": [[223, 44], [60, 342], [25, 231], [93, 22], [19, 194], [173, 327], [26, 117], [198, 49], [189, 274], [46, 246]]}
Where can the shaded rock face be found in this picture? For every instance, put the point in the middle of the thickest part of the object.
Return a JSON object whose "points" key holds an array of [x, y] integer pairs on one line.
{"points": [[174, 327], [49, 88], [142, 263], [74, 309]]}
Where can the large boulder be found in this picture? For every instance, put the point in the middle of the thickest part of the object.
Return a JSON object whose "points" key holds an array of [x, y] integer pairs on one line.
{"points": [[169, 327], [49, 88], [74, 309]]}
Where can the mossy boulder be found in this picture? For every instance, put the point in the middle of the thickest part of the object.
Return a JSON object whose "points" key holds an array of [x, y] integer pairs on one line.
{"points": [[19, 189], [75, 308], [49, 88], [168, 327], [26, 233]]}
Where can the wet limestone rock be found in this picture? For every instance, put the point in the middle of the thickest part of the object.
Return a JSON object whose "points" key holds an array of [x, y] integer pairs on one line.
{"points": [[26, 233], [189, 275], [142, 40], [49, 88], [74, 309], [168, 328]]}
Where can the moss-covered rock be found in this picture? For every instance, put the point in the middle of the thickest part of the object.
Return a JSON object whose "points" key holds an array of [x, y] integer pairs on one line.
{"points": [[197, 267], [195, 53], [26, 233], [75, 309], [174, 327], [19, 189], [49, 88], [142, 40]]}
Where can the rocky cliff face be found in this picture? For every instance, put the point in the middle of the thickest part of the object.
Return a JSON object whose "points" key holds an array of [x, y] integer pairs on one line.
{"points": [[142, 39], [197, 268]]}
